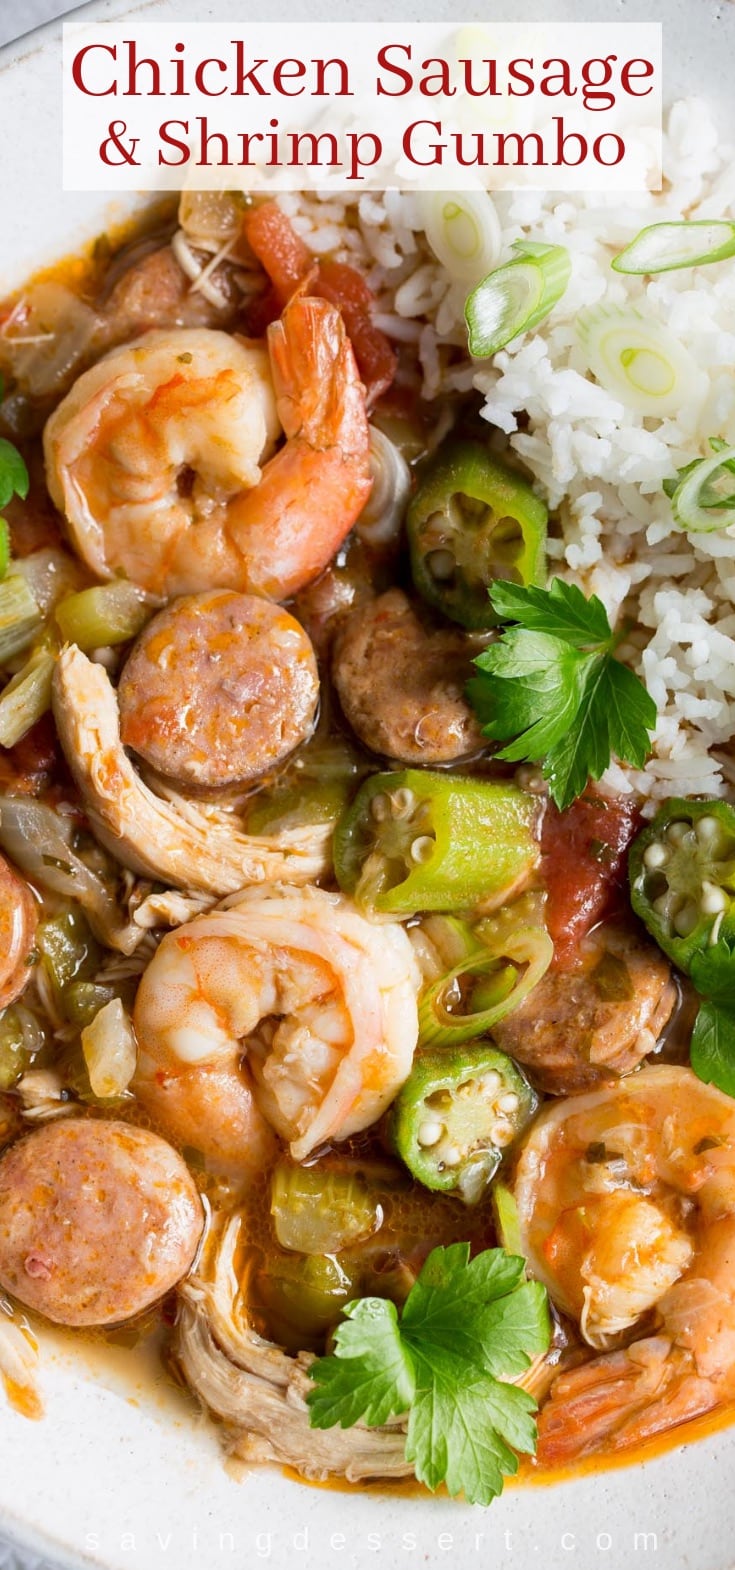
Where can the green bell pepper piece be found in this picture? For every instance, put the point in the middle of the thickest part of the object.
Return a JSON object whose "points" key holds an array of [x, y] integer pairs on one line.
{"points": [[302, 1297], [471, 521], [457, 1113], [682, 877], [415, 840], [316, 1210]]}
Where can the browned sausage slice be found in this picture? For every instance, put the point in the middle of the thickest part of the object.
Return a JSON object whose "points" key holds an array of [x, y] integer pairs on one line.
{"points": [[401, 684], [97, 1220], [219, 688], [583, 1028], [18, 922]]}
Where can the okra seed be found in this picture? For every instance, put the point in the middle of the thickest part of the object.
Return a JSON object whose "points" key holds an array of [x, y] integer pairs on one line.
{"points": [[452, 1156], [706, 828], [661, 905], [508, 1103], [676, 832], [402, 802], [491, 1082], [655, 855], [686, 919], [441, 565], [501, 1134], [713, 899], [379, 808], [430, 1132], [422, 848]]}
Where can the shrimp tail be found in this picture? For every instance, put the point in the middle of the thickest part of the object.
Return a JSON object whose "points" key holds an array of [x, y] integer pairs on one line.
{"points": [[287, 528], [621, 1400], [319, 396]]}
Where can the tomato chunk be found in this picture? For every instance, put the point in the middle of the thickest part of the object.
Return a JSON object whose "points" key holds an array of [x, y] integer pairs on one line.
{"points": [[584, 853], [290, 265]]}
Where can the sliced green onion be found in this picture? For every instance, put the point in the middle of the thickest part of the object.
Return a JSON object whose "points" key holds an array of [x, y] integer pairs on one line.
{"points": [[20, 617], [26, 698], [638, 360], [507, 1224], [500, 972], [661, 248], [704, 498], [517, 296], [463, 230], [108, 614]]}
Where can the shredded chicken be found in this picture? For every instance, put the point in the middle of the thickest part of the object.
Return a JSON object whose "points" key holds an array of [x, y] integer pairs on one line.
{"points": [[190, 845], [257, 1390]]}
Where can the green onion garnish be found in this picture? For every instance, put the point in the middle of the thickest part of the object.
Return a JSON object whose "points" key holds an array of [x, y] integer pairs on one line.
{"points": [[463, 230], [638, 360], [661, 248], [703, 494], [516, 297]]}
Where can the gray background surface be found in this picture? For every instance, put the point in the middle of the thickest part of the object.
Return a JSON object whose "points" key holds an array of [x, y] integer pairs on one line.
{"points": [[21, 16]]}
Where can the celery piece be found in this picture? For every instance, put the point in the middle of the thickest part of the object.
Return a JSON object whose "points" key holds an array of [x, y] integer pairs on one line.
{"points": [[99, 617], [4, 547], [69, 953], [26, 698], [20, 617]]}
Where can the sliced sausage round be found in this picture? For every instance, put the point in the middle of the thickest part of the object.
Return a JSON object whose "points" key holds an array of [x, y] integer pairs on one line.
{"points": [[219, 688], [401, 684], [18, 922], [582, 1028], [97, 1220]]}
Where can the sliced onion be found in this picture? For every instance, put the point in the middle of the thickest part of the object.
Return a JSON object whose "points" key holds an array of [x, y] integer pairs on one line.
{"points": [[212, 216], [662, 248], [463, 230], [44, 338], [50, 575], [638, 360], [38, 840], [382, 516], [110, 1052]]}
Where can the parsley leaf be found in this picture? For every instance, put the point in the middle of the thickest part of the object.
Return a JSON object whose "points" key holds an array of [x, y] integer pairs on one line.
{"points": [[371, 1375], [13, 473], [712, 1050], [552, 690], [14, 481], [467, 1326]]}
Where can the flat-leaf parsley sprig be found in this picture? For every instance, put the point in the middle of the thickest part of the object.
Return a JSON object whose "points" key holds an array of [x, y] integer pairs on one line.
{"points": [[13, 482], [552, 683], [467, 1326]]}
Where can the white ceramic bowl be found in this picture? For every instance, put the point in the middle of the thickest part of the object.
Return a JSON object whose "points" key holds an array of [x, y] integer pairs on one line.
{"points": [[122, 1477]]}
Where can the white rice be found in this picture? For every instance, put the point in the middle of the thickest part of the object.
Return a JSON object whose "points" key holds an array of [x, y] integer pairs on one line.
{"points": [[598, 465]]}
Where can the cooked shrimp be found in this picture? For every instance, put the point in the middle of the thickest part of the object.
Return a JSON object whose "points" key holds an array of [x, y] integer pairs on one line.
{"points": [[18, 922], [154, 456], [626, 1201], [283, 1010]]}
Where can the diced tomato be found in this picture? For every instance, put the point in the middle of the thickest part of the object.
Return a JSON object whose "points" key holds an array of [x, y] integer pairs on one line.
{"points": [[584, 861], [260, 312], [376, 359], [290, 266], [28, 766], [285, 257]]}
